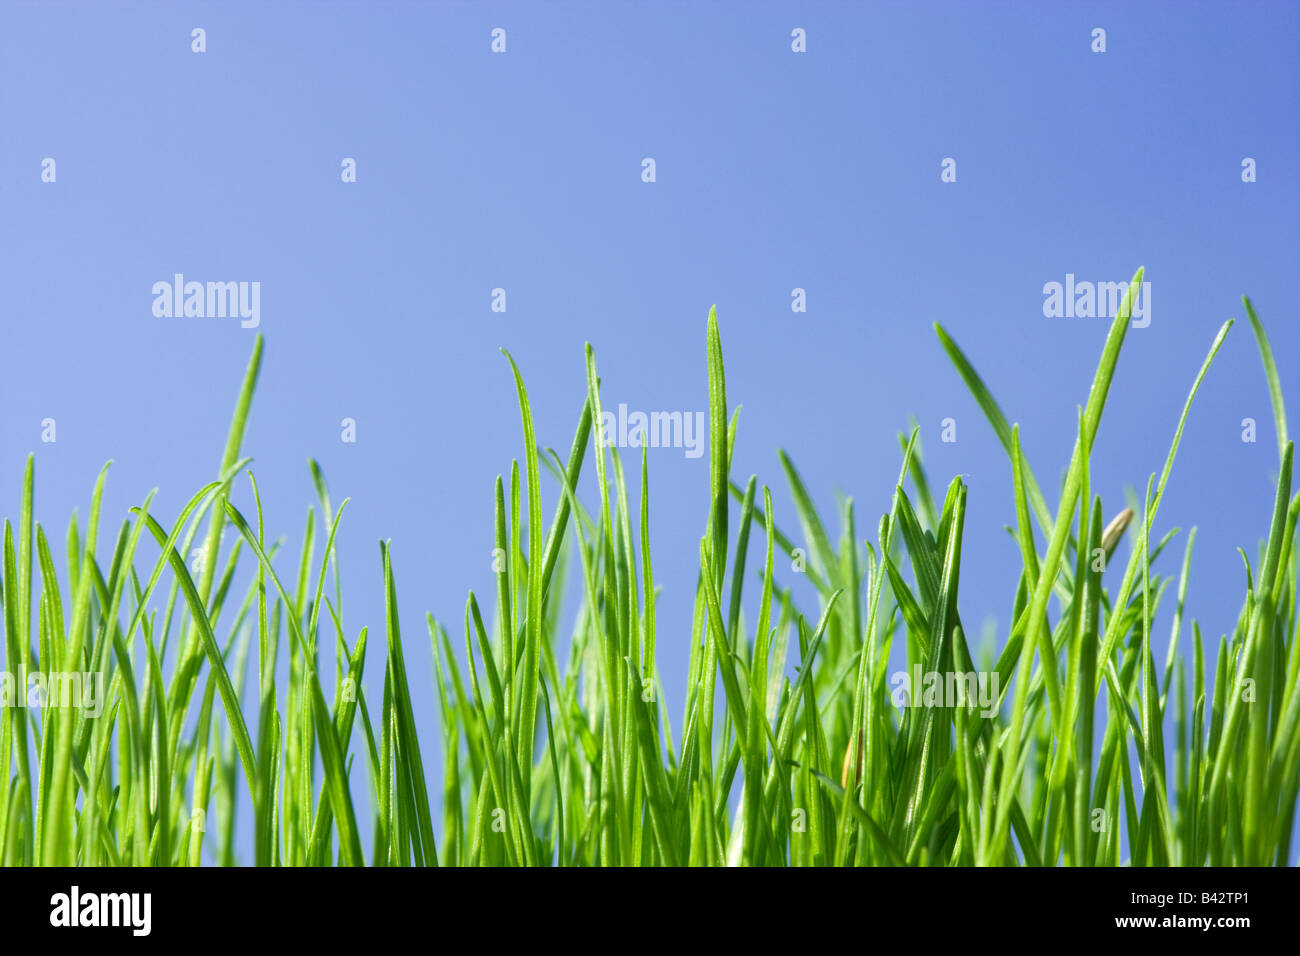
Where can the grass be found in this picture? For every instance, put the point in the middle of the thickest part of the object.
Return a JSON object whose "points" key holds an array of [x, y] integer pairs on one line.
{"points": [[556, 748]]}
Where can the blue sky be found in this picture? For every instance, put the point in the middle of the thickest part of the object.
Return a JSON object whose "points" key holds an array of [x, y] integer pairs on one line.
{"points": [[775, 170]]}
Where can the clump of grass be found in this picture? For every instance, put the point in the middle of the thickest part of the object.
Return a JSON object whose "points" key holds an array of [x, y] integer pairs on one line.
{"points": [[574, 761]]}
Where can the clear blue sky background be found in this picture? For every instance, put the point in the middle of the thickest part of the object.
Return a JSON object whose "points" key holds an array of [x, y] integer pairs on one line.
{"points": [[775, 170]]}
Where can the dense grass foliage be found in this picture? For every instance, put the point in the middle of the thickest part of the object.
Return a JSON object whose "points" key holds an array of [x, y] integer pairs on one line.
{"points": [[556, 749]]}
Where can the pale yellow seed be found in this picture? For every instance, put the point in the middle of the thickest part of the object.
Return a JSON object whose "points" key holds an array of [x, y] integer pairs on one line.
{"points": [[848, 763], [1115, 530]]}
